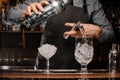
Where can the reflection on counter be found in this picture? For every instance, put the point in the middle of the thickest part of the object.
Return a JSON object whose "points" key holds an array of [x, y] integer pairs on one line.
{"points": [[58, 74]]}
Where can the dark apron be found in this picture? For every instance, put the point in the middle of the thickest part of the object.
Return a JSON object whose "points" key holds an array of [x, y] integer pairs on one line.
{"points": [[55, 28]]}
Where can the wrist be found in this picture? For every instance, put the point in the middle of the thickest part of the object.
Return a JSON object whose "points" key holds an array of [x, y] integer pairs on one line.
{"points": [[98, 32]]}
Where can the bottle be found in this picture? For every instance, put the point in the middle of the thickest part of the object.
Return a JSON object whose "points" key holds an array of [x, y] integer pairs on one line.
{"points": [[119, 57], [113, 59], [54, 8]]}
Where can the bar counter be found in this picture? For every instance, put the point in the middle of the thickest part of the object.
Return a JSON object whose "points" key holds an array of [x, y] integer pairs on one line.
{"points": [[57, 74]]}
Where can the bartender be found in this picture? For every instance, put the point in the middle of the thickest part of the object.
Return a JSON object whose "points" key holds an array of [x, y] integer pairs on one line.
{"points": [[89, 12]]}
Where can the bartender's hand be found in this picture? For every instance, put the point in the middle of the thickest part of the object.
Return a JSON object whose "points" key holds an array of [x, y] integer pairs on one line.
{"points": [[35, 7], [91, 31]]}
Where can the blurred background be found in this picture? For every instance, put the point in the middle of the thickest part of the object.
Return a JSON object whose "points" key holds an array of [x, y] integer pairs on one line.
{"points": [[19, 48]]}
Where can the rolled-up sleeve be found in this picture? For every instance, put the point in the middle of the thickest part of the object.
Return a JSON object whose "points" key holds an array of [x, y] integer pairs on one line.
{"points": [[14, 14], [99, 18]]}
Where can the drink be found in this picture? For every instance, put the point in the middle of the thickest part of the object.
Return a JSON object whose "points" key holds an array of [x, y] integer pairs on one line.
{"points": [[84, 53]]}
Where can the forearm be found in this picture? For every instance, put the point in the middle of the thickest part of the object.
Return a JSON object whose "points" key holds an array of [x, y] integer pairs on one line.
{"points": [[106, 35], [13, 17], [14, 14], [100, 19]]}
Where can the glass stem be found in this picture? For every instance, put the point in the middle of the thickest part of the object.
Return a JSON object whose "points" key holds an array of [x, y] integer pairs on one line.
{"points": [[48, 65], [84, 68]]}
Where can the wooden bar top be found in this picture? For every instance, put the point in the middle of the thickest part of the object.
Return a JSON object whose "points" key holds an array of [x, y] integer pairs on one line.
{"points": [[57, 74]]}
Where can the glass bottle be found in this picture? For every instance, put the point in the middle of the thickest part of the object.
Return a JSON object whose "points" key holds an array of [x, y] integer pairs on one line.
{"points": [[113, 59], [119, 57]]}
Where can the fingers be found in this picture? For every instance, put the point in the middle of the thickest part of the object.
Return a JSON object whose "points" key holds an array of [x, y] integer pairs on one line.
{"points": [[69, 24], [28, 11], [35, 7], [42, 3], [73, 33]]}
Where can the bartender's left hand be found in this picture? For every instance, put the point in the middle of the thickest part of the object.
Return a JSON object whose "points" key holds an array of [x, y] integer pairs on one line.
{"points": [[91, 30]]}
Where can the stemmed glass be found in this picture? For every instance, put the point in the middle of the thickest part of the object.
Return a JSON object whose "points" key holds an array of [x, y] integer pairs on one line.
{"points": [[83, 49], [47, 51], [84, 52]]}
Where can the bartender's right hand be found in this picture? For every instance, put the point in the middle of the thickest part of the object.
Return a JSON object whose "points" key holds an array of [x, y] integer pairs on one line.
{"points": [[35, 7]]}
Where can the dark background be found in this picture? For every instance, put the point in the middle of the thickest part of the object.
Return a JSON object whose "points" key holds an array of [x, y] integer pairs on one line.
{"points": [[11, 43]]}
